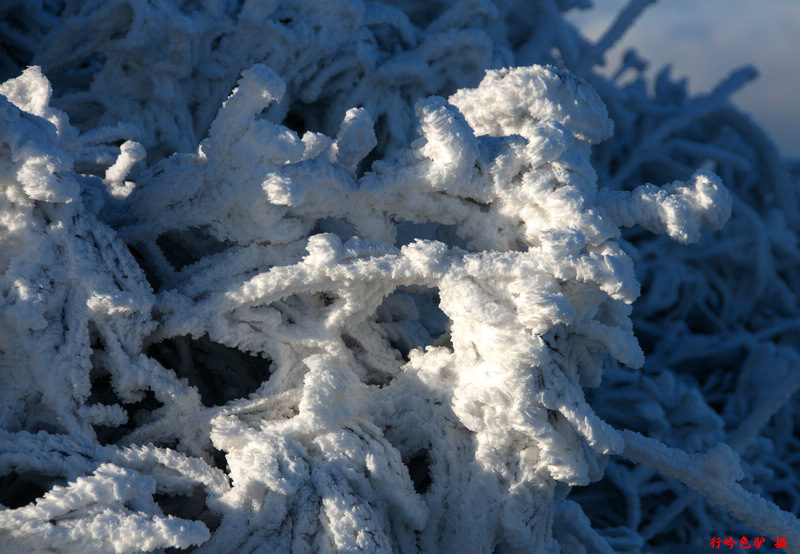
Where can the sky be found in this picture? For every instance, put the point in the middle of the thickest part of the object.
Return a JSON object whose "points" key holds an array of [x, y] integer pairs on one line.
{"points": [[707, 39]]}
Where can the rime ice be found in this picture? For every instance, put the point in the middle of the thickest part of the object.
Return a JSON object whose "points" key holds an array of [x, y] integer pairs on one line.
{"points": [[376, 335]]}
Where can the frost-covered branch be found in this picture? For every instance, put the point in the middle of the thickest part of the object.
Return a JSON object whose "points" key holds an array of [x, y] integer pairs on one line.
{"points": [[714, 475], [382, 305]]}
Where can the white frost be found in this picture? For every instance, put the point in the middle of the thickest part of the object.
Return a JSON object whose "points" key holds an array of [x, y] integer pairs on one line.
{"points": [[374, 330]]}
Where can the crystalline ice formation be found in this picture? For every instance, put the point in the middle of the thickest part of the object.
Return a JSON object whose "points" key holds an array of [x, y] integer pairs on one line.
{"points": [[358, 317], [316, 453]]}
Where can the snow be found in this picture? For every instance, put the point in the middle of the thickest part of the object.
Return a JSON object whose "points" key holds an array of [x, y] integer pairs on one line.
{"points": [[360, 277]]}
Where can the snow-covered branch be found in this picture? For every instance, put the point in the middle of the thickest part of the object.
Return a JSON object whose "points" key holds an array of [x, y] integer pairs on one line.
{"points": [[347, 276]]}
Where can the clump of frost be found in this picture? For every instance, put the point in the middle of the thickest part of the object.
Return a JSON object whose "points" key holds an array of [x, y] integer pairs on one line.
{"points": [[530, 311], [360, 317]]}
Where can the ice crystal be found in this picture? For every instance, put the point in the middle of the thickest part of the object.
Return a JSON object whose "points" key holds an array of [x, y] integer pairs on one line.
{"points": [[385, 304]]}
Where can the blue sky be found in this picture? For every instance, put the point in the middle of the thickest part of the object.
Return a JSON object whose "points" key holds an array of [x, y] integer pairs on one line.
{"points": [[707, 39]]}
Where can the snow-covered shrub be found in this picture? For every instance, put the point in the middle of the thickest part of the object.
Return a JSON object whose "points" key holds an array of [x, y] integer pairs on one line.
{"points": [[358, 316]]}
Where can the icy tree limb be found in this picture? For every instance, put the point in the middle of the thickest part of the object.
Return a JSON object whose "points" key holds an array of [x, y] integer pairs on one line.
{"points": [[625, 18], [679, 209], [713, 475]]}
